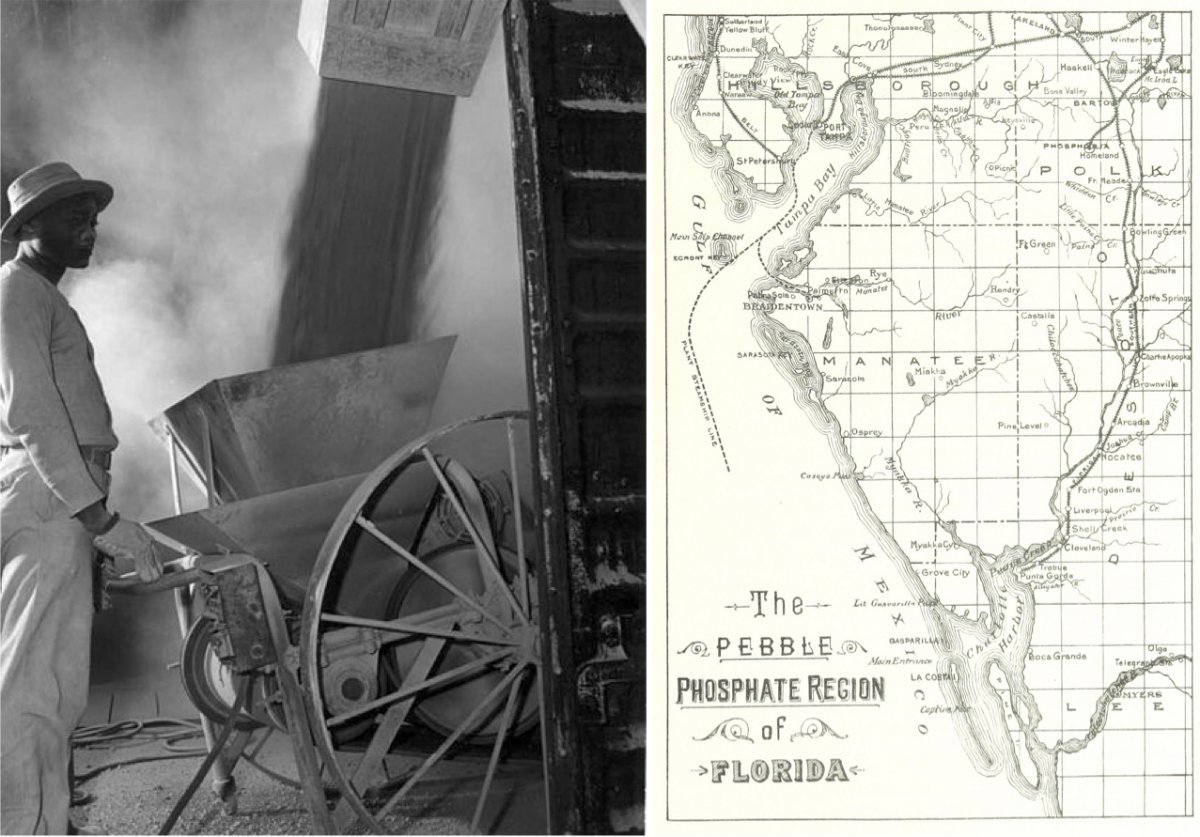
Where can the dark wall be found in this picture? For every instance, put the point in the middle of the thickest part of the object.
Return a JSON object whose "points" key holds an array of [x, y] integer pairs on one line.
{"points": [[580, 119]]}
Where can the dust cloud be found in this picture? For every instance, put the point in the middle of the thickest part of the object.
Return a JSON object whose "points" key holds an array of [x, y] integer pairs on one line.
{"points": [[200, 113]]}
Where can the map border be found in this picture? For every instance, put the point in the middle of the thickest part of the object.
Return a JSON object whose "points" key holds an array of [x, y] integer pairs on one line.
{"points": [[657, 762]]}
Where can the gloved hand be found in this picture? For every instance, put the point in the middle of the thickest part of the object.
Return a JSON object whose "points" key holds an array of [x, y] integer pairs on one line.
{"points": [[131, 541]]}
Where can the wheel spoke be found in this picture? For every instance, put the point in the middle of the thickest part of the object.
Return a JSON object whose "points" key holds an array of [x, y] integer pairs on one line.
{"points": [[404, 626], [429, 571], [437, 754], [450, 676], [435, 615], [505, 723], [471, 507], [425, 617], [493, 564], [430, 507], [518, 524], [370, 768]]}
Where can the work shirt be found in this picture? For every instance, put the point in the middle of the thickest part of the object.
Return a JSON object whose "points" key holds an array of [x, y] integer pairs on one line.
{"points": [[51, 400]]}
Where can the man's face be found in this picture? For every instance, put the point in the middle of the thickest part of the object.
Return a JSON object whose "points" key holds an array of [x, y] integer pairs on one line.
{"points": [[65, 233]]}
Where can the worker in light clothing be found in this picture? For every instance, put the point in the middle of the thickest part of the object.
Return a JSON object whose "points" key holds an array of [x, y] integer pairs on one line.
{"points": [[56, 440]]}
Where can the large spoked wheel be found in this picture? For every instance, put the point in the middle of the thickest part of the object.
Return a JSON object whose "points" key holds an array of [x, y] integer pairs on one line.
{"points": [[419, 643]]}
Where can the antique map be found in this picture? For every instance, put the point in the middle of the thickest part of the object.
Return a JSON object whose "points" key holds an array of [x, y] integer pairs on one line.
{"points": [[924, 333]]}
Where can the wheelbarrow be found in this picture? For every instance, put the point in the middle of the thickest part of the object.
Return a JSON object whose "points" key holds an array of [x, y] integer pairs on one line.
{"points": [[357, 581]]}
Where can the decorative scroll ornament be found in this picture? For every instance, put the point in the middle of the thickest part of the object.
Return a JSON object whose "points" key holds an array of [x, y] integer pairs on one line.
{"points": [[698, 648], [732, 729], [815, 728]]}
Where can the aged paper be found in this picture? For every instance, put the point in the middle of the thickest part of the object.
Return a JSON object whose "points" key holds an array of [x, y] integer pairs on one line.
{"points": [[922, 473]]}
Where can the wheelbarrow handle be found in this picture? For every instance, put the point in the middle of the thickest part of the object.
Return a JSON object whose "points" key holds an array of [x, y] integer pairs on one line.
{"points": [[176, 573]]}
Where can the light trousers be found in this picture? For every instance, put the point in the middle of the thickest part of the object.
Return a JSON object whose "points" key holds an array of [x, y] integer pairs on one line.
{"points": [[45, 645]]}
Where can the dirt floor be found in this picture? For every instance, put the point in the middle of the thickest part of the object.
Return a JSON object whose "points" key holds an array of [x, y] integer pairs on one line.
{"points": [[137, 798]]}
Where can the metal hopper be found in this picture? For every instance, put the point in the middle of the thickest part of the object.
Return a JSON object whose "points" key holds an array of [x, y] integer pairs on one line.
{"points": [[310, 422], [279, 451]]}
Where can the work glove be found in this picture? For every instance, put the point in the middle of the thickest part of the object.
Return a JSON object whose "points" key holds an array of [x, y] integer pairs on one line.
{"points": [[131, 541]]}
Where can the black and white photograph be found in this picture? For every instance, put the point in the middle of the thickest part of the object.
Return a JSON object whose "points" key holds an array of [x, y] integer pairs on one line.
{"points": [[323, 416]]}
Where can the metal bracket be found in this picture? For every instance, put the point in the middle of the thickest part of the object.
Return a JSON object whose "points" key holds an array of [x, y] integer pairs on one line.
{"points": [[605, 683], [244, 618]]}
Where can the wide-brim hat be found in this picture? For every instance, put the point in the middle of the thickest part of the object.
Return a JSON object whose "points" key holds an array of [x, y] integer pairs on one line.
{"points": [[42, 187]]}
